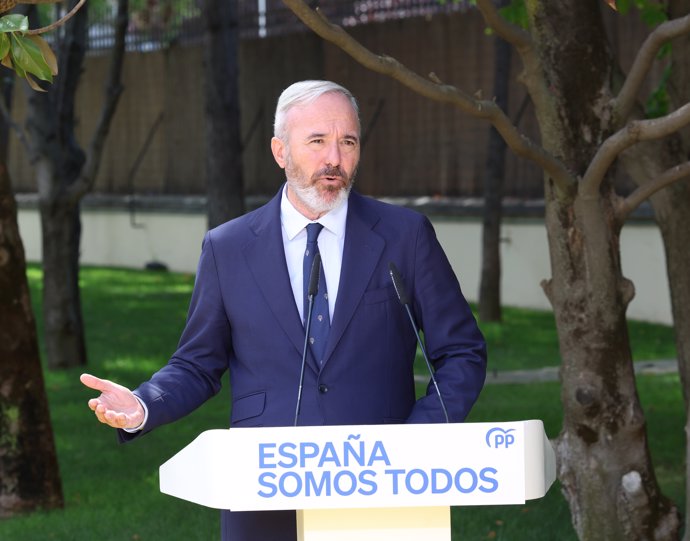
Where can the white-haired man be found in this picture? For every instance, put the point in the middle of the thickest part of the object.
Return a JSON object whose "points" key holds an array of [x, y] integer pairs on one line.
{"points": [[247, 311]]}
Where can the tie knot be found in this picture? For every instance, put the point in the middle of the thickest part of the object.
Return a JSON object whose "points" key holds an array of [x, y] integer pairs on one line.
{"points": [[313, 231]]}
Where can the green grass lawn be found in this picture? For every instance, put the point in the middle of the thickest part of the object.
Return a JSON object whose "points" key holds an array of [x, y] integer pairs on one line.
{"points": [[133, 321], [526, 339]]}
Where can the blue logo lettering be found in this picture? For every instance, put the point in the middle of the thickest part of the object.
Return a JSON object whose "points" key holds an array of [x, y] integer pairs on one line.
{"points": [[499, 437]]}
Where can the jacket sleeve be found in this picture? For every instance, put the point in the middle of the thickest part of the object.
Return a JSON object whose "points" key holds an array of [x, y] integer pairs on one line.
{"points": [[193, 374], [454, 343]]}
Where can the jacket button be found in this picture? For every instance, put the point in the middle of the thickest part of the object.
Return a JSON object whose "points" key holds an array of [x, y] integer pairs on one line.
{"points": [[323, 388]]}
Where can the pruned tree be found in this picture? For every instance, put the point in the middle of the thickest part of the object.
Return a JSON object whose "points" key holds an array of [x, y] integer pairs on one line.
{"points": [[586, 122], [671, 206], [29, 472], [65, 173]]}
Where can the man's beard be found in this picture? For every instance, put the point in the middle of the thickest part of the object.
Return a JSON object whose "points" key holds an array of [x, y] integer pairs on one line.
{"points": [[307, 190]]}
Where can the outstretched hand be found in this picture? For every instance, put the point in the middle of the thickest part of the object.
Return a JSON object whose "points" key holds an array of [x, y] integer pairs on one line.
{"points": [[116, 406]]}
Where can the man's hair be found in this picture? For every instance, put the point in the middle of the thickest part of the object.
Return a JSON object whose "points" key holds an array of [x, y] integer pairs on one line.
{"points": [[304, 93]]}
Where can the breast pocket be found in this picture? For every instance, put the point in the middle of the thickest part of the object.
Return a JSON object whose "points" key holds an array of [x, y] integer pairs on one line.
{"points": [[382, 294]]}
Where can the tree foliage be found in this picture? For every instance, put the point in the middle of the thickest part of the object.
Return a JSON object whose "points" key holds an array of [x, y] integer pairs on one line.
{"points": [[28, 54]]}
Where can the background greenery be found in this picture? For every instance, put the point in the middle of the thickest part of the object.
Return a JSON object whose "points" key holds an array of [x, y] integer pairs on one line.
{"points": [[133, 322]]}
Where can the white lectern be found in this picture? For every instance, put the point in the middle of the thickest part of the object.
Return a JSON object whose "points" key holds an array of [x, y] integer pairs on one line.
{"points": [[369, 482]]}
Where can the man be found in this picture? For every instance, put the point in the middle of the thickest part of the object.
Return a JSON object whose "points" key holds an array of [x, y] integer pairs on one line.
{"points": [[248, 309]]}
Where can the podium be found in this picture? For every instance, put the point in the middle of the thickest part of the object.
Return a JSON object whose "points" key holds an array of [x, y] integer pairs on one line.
{"points": [[365, 482]]}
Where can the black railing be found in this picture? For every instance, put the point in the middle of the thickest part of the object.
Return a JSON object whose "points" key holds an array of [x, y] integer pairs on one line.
{"points": [[162, 26]]}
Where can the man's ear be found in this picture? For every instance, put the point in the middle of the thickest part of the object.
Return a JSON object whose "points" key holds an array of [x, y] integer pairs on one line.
{"points": [[278, 149]]}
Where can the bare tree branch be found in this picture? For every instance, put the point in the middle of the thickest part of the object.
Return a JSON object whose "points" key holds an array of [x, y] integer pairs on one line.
{"points": [[645, 191], [519, 143], [633, 132], [57, 23], [113, 91], [663, 33], [511, 33]]}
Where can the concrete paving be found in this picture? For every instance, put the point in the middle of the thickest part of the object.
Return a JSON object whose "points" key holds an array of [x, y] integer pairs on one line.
{"points": [[550, 373]]}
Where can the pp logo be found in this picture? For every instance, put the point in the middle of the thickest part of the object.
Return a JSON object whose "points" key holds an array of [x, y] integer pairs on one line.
{"points": [[500, 438]]}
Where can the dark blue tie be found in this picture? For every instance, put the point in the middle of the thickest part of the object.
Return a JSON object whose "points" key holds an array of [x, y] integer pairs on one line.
{"points": [[320, 320]]}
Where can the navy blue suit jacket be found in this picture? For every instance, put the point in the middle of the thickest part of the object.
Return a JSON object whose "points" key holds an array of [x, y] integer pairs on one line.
{"points": [[243, 318]]}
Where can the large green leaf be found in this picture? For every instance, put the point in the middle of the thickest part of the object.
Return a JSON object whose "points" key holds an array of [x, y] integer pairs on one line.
{"points": [[4, 45], [27, 55], [14, 23], [46, 52]]}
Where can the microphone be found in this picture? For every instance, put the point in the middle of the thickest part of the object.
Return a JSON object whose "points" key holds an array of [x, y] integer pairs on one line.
{"points": [[312, 289], [405, 301]]}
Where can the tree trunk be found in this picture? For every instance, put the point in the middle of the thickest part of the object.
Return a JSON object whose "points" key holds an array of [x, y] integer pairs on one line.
{"points": [[604, 464], [50, 125], [225, 189], [603, 460], [674, 220], [65, 173], [672, 213], [29, 474], [490, 282], [62, 317]]}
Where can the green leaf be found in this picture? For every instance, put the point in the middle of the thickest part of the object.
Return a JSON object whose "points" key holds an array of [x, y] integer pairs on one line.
{"points": [[516, 13], [652, 13], [20, 72], [27, 55], [4, 45], [623, 6], [14, 23], [46, 52]]}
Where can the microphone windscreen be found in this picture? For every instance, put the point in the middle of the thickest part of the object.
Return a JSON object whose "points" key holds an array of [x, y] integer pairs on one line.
{"points": [[314, 275], [398, 284]]}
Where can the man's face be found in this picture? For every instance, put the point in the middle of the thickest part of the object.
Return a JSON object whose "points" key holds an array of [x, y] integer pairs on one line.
{"points": [[321, 153]]}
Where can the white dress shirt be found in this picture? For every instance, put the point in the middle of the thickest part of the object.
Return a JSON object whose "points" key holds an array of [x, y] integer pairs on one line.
{"points": [[331, 242]]}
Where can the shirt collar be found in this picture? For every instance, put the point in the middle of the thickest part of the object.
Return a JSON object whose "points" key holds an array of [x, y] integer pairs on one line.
{"points": [[294, 222]]}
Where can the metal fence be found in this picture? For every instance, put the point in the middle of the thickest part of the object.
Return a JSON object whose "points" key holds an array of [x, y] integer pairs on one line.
{"points": [[161, 23]]}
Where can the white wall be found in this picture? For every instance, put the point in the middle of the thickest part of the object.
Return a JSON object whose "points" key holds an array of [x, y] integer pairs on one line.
{"points": [[175, 239], [109, 238], [525, 263]]}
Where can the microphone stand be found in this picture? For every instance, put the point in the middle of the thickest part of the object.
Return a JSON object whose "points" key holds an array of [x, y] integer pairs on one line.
{"points": [[405, 301], [311, 293]]}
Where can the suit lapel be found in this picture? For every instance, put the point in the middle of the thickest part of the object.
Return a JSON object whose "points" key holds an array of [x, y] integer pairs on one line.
{"points": [[361, 254], [265, 256]]}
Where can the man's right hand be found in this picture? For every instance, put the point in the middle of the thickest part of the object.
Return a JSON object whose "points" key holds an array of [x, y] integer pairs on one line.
{"points": [[116, 406]]}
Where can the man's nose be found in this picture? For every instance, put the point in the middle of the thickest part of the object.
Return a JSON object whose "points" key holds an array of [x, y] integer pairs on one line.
{"points": [[333, 154]]}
